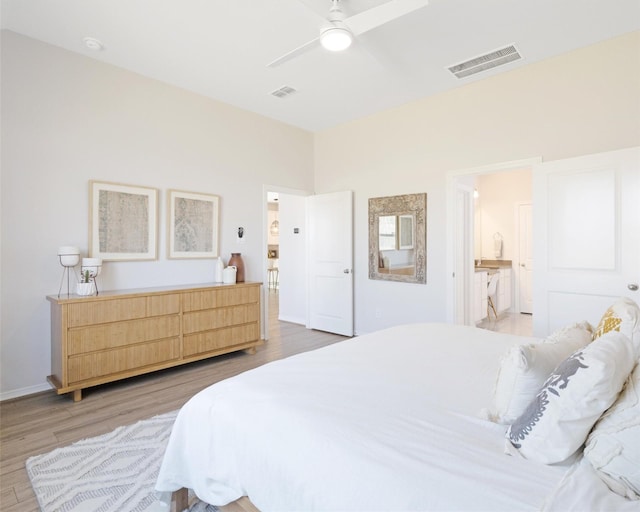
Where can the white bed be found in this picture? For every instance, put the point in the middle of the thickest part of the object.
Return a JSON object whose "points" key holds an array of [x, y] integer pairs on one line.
{"points": [[387, 421]]}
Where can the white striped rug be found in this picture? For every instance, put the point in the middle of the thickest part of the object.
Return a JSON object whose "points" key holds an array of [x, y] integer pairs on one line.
{"points": [[115, 472]]}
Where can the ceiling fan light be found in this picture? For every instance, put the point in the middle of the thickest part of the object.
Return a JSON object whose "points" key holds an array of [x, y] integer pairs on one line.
{"points": [[336, 39]]}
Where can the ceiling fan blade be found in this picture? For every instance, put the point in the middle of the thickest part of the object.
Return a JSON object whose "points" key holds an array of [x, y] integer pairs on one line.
{"points": [[389, 11], [294, 53]]}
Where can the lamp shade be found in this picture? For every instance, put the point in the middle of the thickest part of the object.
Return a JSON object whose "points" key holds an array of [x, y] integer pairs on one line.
{"points": [[336, 39]]}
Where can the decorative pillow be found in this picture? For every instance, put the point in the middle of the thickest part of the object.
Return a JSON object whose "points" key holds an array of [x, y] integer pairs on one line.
{"points": [[613, 447], [622, 316], [524, 369], [556, 423]]}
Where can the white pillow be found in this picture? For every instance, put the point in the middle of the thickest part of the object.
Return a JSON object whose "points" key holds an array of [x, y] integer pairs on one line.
{"points": [[524, 369], [556, 423], [613, 447]]}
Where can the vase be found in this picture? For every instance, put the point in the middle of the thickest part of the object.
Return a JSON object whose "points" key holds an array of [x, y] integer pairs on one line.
{"points": [[218, 267], [229, 275], [85, 289], [236, 261]]}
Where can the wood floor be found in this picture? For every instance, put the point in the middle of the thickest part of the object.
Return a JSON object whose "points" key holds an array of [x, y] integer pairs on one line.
{"points": [[39, 423]]}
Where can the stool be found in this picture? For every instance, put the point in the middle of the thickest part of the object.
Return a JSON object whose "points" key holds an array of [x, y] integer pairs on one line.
{"points": [[273, 276]]}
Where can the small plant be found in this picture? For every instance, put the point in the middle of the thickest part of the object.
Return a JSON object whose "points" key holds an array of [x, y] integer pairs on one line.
{"points": [[85, 276]]}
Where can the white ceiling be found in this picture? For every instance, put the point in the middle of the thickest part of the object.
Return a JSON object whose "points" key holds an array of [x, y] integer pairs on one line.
{"points": [[221, 49]]}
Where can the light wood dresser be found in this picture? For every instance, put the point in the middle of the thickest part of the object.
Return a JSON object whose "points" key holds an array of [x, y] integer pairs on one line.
{"points": [[120, 334]]}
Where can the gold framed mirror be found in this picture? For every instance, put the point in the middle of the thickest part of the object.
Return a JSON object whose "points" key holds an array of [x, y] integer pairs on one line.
{"points": [[398, 238]]}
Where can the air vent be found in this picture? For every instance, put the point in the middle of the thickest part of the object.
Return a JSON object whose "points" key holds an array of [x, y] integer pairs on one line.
{"points": [[487, 61], [283, 92]]}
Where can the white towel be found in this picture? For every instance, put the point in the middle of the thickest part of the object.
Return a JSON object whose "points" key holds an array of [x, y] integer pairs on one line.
{"points": [[497, 247]]}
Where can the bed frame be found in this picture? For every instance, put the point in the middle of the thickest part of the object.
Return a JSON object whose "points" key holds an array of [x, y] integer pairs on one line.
{"points": [[180, 500]]}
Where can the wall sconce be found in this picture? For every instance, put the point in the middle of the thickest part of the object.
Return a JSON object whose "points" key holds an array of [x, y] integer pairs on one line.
{"points": [[69, 257], [275, 228], [476, 194]]}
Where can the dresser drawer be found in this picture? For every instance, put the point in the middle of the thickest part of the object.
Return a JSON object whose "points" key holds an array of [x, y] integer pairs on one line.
{"points": [[222, 297], [219, 339], [125, 308], [111, 362], [104, 336], [208, 319]]}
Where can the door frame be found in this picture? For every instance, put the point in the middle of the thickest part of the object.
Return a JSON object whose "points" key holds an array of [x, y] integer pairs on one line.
{"points": [[516, 290], [463, 253], [454, 178]]}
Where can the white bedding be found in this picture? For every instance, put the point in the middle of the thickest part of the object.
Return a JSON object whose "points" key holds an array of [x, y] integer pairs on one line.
{"points": [[385, 421]]}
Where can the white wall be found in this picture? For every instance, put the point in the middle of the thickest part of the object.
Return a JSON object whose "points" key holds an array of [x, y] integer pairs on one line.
{"points": [[499, 193], [67, 119], [579, 103]]}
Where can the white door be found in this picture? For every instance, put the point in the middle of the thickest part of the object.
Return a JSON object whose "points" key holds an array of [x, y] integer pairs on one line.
{"points": [[330, 250], [525, 259], [587, 237]]}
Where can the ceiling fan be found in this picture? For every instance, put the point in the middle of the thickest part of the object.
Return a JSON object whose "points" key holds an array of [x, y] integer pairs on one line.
{"points": [[340, 31]]}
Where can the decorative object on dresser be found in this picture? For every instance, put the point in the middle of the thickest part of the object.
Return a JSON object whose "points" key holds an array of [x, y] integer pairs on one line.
{"points": [[120, 334], [85, 286], [229, 275], [91, 267], [122, 221], [236, 261], [193, 224], [69, 257], [218, 268]]}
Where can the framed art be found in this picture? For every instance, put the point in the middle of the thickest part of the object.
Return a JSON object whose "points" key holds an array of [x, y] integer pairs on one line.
{"points": [[193, 225], [122, 221]]}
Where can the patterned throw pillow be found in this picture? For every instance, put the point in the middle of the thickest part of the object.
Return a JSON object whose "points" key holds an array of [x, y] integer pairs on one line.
{"points": [[524, 369], [613, 446], [623, 316], [557, 421]]}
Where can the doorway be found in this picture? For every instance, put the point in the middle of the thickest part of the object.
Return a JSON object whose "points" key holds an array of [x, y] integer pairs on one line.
{"points": [[273, 258], [315, 259], [499, 191], [283, 292]]}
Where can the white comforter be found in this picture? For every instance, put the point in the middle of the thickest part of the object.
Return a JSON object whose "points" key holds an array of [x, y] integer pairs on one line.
{"points": [[386, 421]]}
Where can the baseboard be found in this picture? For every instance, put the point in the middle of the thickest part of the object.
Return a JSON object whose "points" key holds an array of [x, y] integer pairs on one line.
{"points": [[293, 320], [17, 393]]}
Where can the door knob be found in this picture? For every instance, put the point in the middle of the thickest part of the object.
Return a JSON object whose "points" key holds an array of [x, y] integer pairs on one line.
{"points": [[522, 264], [633, 287], [346, 270]]}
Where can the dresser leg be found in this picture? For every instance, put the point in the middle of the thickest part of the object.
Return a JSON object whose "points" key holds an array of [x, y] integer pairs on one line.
{"points": [[77, 395]]}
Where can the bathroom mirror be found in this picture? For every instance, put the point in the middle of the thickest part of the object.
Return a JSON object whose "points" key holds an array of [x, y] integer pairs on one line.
{"points": [[397, 238]]}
